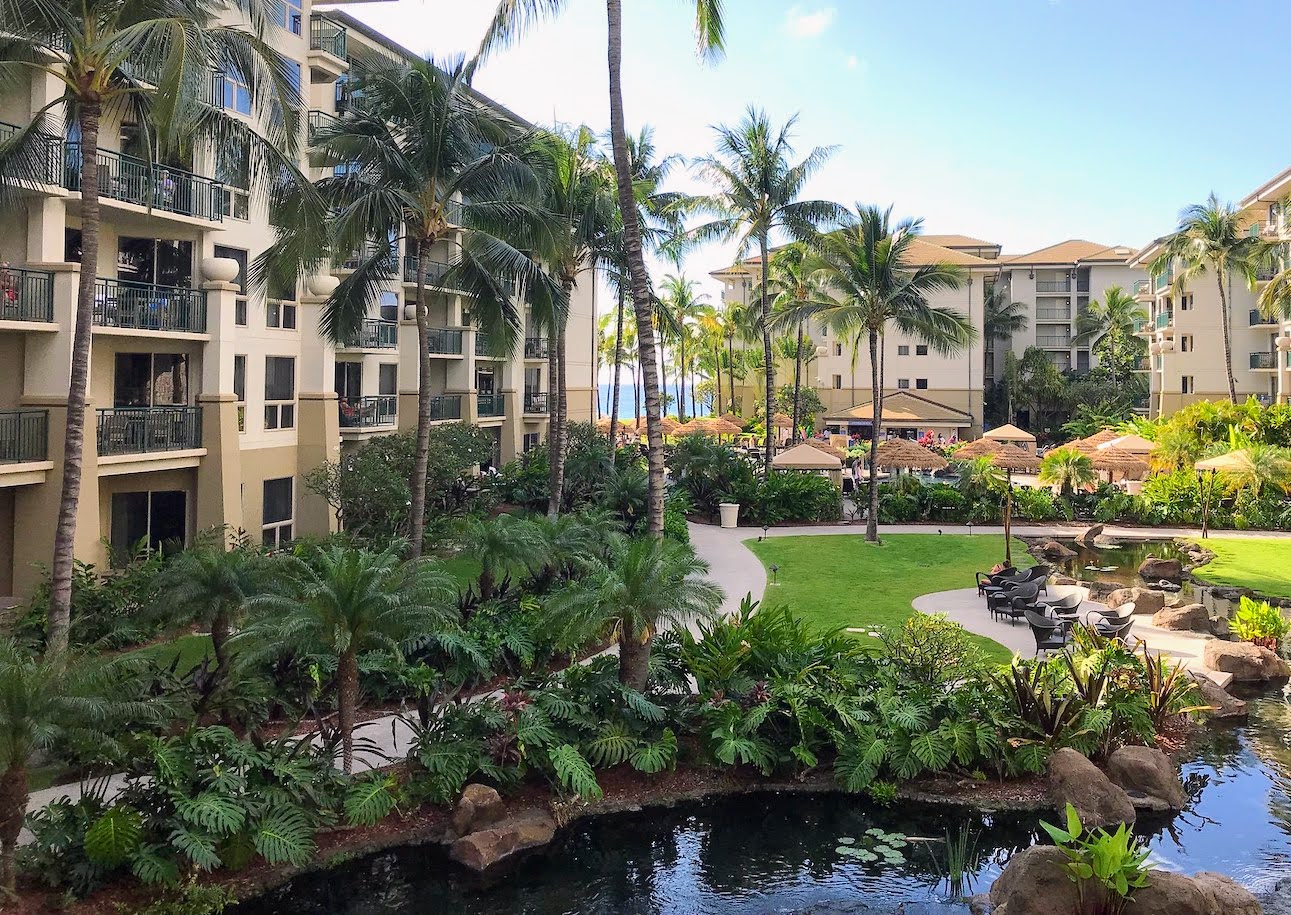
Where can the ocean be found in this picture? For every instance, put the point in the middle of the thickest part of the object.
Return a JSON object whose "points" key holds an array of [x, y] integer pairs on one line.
{"points": [[628, 411]]}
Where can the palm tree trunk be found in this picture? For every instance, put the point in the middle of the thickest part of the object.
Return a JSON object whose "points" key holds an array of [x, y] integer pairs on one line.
{"points": [[1228, 338], [681, 376], [347, 701], [562, 406], [220, 629], [421, 457], [1111, 357], [642, 301], [60, 596], [730, 368], [797, 380], [618, 370], [876, 418], [555, 475], [766, 354], [14, 797], [636, 398], [717, 378], [663, 368], [634, 659]]}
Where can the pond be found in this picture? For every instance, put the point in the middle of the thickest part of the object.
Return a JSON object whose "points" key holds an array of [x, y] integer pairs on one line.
{"points": [[820, 854]]}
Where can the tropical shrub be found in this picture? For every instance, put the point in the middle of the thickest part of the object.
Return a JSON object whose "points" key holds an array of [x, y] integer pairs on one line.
{"points": [[708, 470], [786, 497], [1109, 866], [1260, 622]]}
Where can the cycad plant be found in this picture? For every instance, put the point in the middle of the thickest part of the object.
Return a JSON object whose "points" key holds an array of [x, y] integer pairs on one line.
{"points": [[1111, 320], [149, 63], [503, 546], [341, 602], [418, 162]]}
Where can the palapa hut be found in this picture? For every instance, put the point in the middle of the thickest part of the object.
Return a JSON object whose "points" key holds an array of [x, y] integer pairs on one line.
{"points": [[899, 453], [808, 457], [1010, 458], [983, 447], [1134, 444], [1009, 434], [1114, 460]]}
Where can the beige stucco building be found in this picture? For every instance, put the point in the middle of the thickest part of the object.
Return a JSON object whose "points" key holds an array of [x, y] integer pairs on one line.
{"points": [[208, 403]]}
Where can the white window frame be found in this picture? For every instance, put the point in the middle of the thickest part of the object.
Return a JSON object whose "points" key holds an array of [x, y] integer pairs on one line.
{"points": [[281, 314], [274, 529], [277, 408], [241, 403]]}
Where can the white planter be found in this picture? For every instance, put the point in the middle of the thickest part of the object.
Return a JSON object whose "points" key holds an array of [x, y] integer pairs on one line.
{"points": [[730, 512], [323, 285], [220, 269]]}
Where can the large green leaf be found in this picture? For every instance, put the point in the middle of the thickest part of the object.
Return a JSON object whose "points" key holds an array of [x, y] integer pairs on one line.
{"points": [[369, 800], [284, 836], [114, 837], [574, 772]]}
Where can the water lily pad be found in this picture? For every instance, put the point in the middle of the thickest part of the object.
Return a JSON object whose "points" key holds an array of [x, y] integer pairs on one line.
{"points": [[846, 840], [874, 831]]}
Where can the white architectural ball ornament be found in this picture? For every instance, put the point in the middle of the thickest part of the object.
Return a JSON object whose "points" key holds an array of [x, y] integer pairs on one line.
{"points": [[1155, 349], [1284, 344], [1167, 346], [220, 269], [323, 285]]}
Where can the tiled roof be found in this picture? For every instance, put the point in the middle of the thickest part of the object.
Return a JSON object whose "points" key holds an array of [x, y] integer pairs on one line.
{"points": [[1068, 252]]}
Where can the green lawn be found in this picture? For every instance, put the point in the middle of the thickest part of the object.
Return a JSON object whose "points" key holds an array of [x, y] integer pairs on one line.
{"points": [[466, 569], [841, 580], [190, 648], [1262, 564]]}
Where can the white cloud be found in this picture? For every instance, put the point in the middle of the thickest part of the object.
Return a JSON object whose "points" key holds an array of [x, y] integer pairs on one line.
{"points": [[803, 24]]}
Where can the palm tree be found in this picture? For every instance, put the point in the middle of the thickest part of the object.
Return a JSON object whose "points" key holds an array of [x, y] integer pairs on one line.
{"points": [[796, 293], [343, 601], [502, 545], [510, 20], [756, 191], [646, 583], [682, 306], [1261, 467], [1211, 237], [151, 63], [1001, 319], [1112, 319], [740, 321], [415, 146], [41, 705], [1068, 469], [866, 265]]}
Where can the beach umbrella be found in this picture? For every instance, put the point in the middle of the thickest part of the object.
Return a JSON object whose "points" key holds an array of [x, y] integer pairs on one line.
{"points": [[692, 427], [1091, 443], [1233, 462], [733, 418], [899, 452], [669, 425], [781, 421], [1010, 458], [1135, 444], [1011, 434], [723, 426], [1114, 460], [983, 447]]}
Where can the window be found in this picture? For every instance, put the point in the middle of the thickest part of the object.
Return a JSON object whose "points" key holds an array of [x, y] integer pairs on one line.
{"points": [[164, 262], [240, 389], [531, 441], [234, 94], [1187, 384], [240, 303], [150, 380], [921, 384], [293, 74], [1185, 302], [921, 349], [157, 519], [278, 513], [838, 382], [388, 378], [903, 384], [286, 14], [389, 306], [279, 392], [903, 350], [1185, 343], [349, 381], [233, 170], [280, 314], [838, 349]]}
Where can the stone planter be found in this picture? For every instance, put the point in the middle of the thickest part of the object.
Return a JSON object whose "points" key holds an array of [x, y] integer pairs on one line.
{"points": [[730, 512]]}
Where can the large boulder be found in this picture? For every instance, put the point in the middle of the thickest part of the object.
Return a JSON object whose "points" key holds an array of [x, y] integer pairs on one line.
{"points": [[1223, 704], [1277, 901], [1226, 895], [1075, 780], [487, 847], [1188, 618], [1035, 882], [1246, 662], [1168, 893], [1145, 600], [1153, 569], [479, 807], [1148, 777], [1089, 535], [1055, 551]]}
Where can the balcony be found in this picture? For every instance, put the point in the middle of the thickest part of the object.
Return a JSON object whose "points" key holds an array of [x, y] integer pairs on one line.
{"points": [[26, 295], [1052, 286], [24, 436], [1142, 288], [369, 412], [446, 407], [1164, 319], [484, 345], [435, 271], [489, 405], [146, 306], [1053, 341], [1263, 362], [1258, 318], [536, 348], [1143, 365], [1143, 326], [1266, 272], [1050, 313], [445, 341], [45, 165], [321, 120], [535, 402], [375, 334], [161, 188], [148, 430], [1162, 281], [328, 49]]}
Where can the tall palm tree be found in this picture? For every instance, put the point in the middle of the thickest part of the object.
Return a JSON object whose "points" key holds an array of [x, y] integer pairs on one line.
{"points": [[1068, 469], [866, 265], [512, 18], [740, 321], [755, 195], [151, 63], [682, 305], [1113, 319], [1211, 238], [1001, 319], [645, 583], [343, 601], [413, 147], [796, 293]]}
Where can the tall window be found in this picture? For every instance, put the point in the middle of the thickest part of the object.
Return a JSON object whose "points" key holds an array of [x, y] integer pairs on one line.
{"points": [[240, 303], [279, 512], [838, 382], [838, 349], [165, 262], [1187, 384], [150, 380], [903, 384], [388, 378], [280, 308], [240, 389], [287, 14], [389, 306], [154, 520], [531, 441], [279, 392], [233, 170], [235, 95]]}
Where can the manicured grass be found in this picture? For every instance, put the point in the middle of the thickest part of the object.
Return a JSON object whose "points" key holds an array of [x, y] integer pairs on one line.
{"points": [[190, 649], [1262, 564], [842, 581], [466, 569]]}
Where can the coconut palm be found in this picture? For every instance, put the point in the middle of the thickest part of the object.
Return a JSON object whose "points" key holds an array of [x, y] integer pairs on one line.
{"points": [[1001, 319], [755, 195], [1211, 237], [149, 63], [413, 150], [796, 293], [1113, 319], [645, 583], [1068, 469], [866, 266], [342, 602], [682, 306], [512, 18]]}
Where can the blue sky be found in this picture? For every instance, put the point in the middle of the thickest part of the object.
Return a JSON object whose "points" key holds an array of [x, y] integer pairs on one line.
{"points": [[1021, 121]]}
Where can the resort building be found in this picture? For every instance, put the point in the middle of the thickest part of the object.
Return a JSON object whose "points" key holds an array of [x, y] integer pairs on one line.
{"points": [[209, 403], [1186, 360], [944, 395]]}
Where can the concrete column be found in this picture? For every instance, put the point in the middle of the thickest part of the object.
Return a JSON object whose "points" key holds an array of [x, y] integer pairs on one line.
{"points": [[46, 222], [318, 428], [219, 475]]}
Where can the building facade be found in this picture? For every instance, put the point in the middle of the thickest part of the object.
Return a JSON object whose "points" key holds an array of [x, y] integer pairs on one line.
{"points": [[208, 402]]}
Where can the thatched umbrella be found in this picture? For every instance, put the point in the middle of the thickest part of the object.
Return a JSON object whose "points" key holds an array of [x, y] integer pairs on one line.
{"points": [[669, 426], [1090, 444], [723, 426], [900, 452], [1010, 458], [983, 447], [1235, 461], [696, 425], [1114, 460], [781, 421], [603, 424], [733, 418]]}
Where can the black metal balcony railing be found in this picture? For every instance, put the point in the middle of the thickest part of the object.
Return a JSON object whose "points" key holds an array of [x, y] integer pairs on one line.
{"points": [[1053, 285], [445, 341], [1266, 272], [1264, 360], [145, 306], [483, 344], [535, 348], [1259, 319], [375, 334], [435, 270], [369, 412], [144, 430], [26, 295], [24, 436], [321, 119], [447, 406], [326, 35], [490, 405], [158, 187], [44, 164], [535, 401]]}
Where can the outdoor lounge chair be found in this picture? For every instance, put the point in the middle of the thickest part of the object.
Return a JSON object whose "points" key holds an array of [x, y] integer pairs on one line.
{"points": [[1038, 574], [1050, 634], [1014, 603], [1112, 624], [1067, 607], [987, 580]]}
